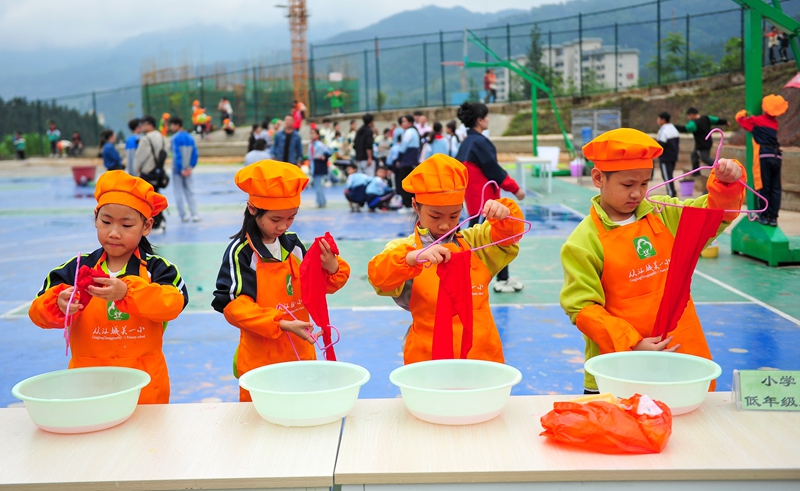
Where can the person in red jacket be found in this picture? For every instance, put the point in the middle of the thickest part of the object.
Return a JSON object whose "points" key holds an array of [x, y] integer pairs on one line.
{"points": [[479, 156], [767, 156]]}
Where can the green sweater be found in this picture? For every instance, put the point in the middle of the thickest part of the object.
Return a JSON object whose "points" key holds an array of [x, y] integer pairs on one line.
{"points": [[582, 255]]}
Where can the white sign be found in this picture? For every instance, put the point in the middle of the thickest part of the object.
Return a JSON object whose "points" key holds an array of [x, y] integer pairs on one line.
{"points": [[335, 77]]}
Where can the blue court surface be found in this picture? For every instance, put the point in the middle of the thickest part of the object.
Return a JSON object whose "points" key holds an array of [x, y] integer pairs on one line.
{"points": [[749, 311]]}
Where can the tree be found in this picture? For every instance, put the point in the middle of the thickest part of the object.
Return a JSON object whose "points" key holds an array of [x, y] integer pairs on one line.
{"points": [[592, 83], [533, 61], [474, 95], [732, 59], [380, 100], [673, 62]]}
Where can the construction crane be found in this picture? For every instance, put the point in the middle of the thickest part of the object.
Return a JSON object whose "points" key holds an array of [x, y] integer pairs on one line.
{"points": [[297, 14]]}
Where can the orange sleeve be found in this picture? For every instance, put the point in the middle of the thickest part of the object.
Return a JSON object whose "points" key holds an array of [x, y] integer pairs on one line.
{"points": [[338, 279], [389, 270], [243, 312], [726, 196], [44, 311], [612, 334], [508, 228], [154, 301]]}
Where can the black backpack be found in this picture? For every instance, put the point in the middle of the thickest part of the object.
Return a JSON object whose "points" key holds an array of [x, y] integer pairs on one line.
{"points": [[158, 178]]}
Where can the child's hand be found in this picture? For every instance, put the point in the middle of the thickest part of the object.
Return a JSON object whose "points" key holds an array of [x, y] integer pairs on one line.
{"points": [[655, 344], [301, 329], [520, 195], [728, 171], [435, 255], [494, 210], [329, 262], [114, 290], [63, 300]]}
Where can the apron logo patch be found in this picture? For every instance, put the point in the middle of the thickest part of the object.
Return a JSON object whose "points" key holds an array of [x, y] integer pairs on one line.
{"points": [[289, 288], [115, 314], [644, 248]]}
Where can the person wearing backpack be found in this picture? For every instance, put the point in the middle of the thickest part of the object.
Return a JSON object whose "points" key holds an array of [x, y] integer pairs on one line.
{"points": [[151, 155]]}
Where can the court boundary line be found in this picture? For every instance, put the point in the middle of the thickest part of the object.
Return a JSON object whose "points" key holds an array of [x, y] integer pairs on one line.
{"points": [[751, 298]]}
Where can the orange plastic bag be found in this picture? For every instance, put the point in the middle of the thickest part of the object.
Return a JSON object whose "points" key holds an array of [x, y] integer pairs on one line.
{"points": [[638, 425]]}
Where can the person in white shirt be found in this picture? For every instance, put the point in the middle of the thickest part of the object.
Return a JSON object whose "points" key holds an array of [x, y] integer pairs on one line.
{"points": [[259, 153]]}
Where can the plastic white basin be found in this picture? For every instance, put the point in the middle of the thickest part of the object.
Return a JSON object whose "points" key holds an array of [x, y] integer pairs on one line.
{"points": [[455, 392], [305, 393], [82, 399], [679, 381]]}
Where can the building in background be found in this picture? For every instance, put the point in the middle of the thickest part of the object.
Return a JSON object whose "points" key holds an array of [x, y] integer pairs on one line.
{"points": [[563, 59]]}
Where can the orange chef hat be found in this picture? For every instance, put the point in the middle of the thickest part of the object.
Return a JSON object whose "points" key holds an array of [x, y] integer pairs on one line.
{"points": [[272, 185], [165, 116], [196, 103], [119, 187], [438, 181], [774, 105], [622, 149]]}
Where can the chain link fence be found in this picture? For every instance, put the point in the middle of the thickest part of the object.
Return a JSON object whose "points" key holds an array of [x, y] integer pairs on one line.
{"points": [[583, 54]]}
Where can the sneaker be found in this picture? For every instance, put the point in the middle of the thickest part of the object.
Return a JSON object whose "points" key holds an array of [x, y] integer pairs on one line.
{"points": [[405, 211], [185, 219], [503, 287], [515, 284], [773, 222], [159, 230], [763, 220], [196, 219]]}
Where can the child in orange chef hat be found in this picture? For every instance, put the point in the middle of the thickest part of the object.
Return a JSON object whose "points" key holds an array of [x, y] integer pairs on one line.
{"points": [[260, 273], [123, 322]]}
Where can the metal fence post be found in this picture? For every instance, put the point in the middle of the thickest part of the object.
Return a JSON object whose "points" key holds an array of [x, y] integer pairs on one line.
{"points": [[147, 98], [508, 53], [378, 101], [366, 81], [688, 46], [425, 72], [202, 93], [550, 59], [486, 53], [658, 42], [312, 83], [255, 95], [580, 51], [616, 57], [441, 58], [96, 121], [40, 125]]}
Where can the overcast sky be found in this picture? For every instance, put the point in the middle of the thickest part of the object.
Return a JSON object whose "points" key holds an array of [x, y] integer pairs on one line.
{"points": [[33, 24]]}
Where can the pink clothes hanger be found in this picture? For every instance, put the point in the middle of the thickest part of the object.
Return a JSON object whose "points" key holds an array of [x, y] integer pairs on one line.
{"points": [[659, 205], [453, 230], [68, 317], [316, 339]]}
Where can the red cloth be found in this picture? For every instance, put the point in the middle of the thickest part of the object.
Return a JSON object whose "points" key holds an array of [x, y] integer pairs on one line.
{"points": [[455, 298], [86, 276], [313, 288], [696, 228], [476, 180]]}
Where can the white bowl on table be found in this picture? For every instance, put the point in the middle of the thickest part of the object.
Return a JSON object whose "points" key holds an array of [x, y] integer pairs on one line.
{"points": [[304, 393], [81, 400], [455, 392], [680, 381]]}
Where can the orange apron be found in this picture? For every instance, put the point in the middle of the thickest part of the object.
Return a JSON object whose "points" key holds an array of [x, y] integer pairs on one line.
{"points": [[486, 344], [278, 284], [103, 336], [636, 261]]}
